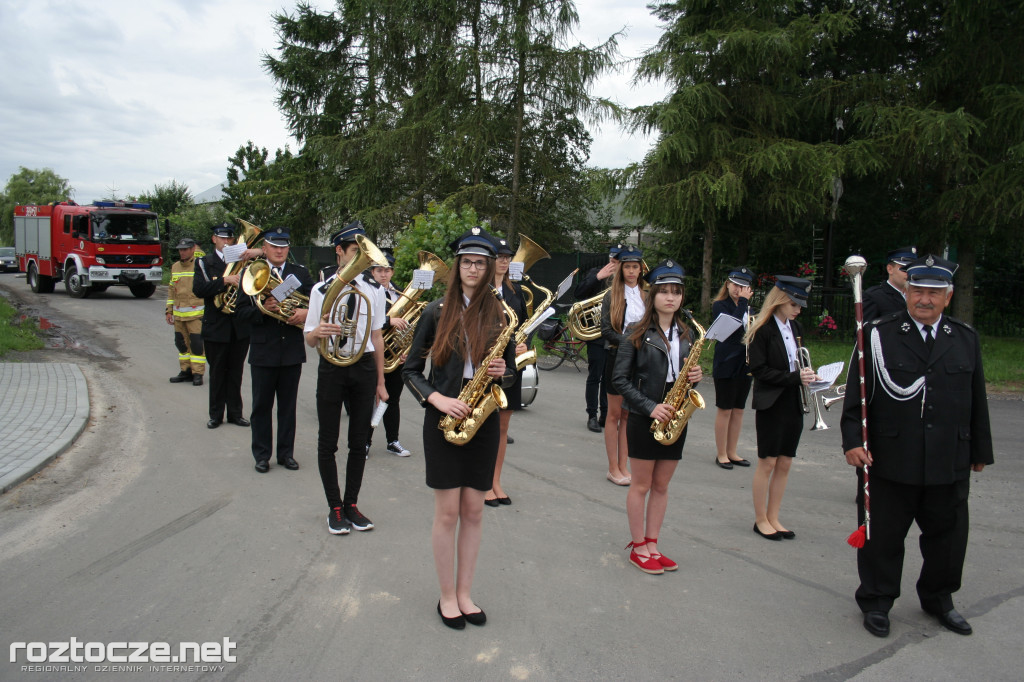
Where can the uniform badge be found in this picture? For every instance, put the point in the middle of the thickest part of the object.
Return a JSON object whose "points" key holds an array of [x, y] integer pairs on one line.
{"points": [[945, 328], [475, 230], [929, 261], [904, 328], [670, 264]]}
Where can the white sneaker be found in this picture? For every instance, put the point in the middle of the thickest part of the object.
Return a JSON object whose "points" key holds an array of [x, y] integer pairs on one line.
{"points": [[395, 448]]}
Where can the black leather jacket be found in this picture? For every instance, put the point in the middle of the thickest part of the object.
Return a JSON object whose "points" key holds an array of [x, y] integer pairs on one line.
{"points": [[640, 373], [446, 378]]}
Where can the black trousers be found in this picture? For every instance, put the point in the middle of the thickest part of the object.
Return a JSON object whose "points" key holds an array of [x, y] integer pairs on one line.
{"points": [[393, 415], [941, 513], [225, 363], [355, 385], [269, 383], [595, 391]]}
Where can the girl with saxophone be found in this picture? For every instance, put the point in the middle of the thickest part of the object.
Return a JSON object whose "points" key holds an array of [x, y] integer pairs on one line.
{"points": [[459, 333], [621, 306], [513, 297], [730, 371], [774, 356], [647, 365]]}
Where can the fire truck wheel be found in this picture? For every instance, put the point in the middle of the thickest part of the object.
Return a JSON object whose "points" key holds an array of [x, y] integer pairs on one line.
{"points": [[143, 290], [73, 283], [41, 284]]}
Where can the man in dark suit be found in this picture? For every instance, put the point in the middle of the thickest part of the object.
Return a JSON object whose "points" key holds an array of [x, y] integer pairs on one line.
{"points": [[928, 429], [276, 354], [888, 297], [225, 337], [595, 282]]}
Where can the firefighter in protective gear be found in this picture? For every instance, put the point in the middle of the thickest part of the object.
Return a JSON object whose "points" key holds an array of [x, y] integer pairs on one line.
{"points": [[185, 312]]}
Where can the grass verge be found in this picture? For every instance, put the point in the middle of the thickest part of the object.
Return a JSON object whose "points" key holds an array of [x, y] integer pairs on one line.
{"points": [[17, 334]]}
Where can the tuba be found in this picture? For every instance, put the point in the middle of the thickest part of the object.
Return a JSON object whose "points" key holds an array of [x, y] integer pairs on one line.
{"points": [[481, 394], [397, 341], [584, 320], [258, 281], [227, 300], [682, 396], [528, 253], [340, 350]]}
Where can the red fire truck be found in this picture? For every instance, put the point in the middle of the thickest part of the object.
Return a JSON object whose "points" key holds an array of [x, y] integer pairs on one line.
{"points": [[89, 247]]}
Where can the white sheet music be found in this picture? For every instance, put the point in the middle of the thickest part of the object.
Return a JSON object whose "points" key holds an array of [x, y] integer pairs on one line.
{"points": [[536, 323], [233, 253], [564, 286], [515, 271], [285, 288], [722, 328], [423, 279], [828, 374]]}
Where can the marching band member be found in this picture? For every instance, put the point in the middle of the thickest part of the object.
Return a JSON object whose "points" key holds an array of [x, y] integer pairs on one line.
{"points": [[730, 370], [513, 296], [890, 295], [774, 362], [622, 306], [392, 380], [457, 333], [360, 384], [647, 364], [276, 356], [595, 393]]}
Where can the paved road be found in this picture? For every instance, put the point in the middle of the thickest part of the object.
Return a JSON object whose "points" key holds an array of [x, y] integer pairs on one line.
{"points": [[154, 529]]}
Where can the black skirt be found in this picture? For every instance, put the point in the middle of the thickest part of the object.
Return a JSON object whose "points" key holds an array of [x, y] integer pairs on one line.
{"points": [[609, 368], [779, 426], [642, 444], [459, 466], [731, 392], [514, 393]]}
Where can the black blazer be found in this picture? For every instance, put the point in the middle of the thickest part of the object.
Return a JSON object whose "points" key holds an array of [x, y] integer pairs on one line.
{"points": [[590, 285], [769, 363], [445, 378], [514, 299], [639, 373], [935, 445], [730, 355], [273, 343], [882, 300], [208, 282]]}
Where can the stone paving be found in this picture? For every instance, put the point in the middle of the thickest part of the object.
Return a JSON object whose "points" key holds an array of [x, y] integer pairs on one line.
{"points": [[43, 408]]}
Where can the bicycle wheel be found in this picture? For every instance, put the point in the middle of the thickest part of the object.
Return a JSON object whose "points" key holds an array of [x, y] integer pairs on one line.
{"points": [[552, 353]]}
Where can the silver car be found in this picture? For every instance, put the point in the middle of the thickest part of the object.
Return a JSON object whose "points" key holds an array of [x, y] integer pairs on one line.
{"points": [[8, 262]]}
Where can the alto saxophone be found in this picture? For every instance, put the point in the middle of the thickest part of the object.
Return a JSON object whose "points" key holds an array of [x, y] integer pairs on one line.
{"points": [[682, 397], [481, 394]]}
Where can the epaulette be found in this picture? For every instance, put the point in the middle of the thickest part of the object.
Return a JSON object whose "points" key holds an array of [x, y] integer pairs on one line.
{"points": [[368, 278], [884, 319], [322, 287], [961, 323]]}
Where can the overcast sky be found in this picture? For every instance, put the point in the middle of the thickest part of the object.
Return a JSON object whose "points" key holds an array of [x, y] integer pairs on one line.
{"points": [[121, 95]]}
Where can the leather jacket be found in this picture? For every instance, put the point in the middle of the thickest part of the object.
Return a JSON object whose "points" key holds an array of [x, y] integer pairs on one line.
{"points": [[445, 378], [640, 373]]}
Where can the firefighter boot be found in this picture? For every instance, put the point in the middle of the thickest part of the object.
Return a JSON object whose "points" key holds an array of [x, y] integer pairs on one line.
{"points": [[183, 375]]}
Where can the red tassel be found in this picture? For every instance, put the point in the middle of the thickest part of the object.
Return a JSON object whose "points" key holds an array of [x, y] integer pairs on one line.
{"points": [[857, 538]]}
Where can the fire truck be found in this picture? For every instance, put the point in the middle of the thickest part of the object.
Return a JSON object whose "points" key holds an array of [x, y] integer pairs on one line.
{"points": [[89, 248]]}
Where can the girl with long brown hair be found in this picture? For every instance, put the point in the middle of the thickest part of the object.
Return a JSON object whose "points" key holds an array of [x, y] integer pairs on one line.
{"points": [[457, 333]]}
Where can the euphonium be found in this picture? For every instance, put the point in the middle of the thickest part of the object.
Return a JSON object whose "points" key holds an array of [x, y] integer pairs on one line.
{"points": [[258, 281], [682, 396], [340, 350], [227, 300], [528, 253], [397, 341], [584, 320], [481, 394]]}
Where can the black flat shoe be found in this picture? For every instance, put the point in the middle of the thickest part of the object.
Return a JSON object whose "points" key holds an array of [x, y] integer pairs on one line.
{"points": [[951, 620], [787, 534], [262, 466], [724, 465], [289, 464], [770, 536], [478, 618], [877, 623], [492, 503], [213, 423], [456, 623], [510, 440], [240, 421], [504, 500], [739, 462]]}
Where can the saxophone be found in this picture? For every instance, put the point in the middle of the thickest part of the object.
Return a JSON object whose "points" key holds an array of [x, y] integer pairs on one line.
{"points": [[683, 399], [481, 394]]}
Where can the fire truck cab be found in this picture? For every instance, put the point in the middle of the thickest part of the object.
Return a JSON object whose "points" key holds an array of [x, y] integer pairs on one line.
{"points": [[89, 248]]}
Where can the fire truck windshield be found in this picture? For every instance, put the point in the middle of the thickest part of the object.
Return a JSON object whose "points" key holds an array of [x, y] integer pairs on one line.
{"points": [[116, 226]]}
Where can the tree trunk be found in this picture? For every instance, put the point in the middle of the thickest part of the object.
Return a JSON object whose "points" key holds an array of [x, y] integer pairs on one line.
{"points": [[963, 297], [705, 290]]}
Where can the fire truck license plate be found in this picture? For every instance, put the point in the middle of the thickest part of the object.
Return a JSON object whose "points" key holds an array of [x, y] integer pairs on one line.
{"points": [[129, 272]]}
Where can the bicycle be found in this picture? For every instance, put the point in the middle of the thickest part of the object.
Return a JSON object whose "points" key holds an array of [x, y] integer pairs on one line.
{"points": [[558, 345]]}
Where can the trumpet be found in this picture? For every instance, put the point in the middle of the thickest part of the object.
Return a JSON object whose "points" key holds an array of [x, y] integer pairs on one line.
{"points": [[259, 280], [335, 310], [227, 300], [810, 401]]}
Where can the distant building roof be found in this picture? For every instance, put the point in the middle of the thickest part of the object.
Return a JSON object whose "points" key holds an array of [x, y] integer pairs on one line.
{"points": [[212, 195]]}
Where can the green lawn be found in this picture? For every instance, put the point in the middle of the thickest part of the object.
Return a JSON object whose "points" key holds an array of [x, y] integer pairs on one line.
{"points": [[16, 334]]}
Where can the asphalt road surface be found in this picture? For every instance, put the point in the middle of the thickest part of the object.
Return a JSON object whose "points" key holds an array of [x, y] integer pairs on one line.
{"points": [[152, 528]]}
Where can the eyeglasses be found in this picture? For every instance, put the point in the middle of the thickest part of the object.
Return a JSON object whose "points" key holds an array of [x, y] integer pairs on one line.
{"points": [[478, 264], [505, 257]]}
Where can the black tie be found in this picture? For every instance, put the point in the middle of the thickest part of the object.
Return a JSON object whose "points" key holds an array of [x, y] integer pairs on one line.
{"points": [[929, 340]]}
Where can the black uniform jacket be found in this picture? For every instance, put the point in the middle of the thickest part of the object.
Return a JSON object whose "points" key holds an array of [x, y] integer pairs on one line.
{"points": [[273, 343], [882, 300], [590, 285], [640, 373], [769, 363], [513, 296], [612, 338], [207, 282], [730, 355], [447, 378], [936, 445]]}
